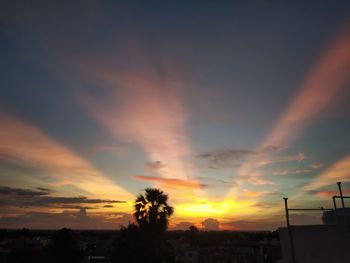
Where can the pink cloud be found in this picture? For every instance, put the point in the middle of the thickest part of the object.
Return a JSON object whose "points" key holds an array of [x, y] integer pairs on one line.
{"points": [[339, 171], [329, 194], [145, 109], [171, 182], [321, 88]]}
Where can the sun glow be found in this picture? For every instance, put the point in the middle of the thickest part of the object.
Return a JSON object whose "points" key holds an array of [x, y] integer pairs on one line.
{"points": [[205, 208]]}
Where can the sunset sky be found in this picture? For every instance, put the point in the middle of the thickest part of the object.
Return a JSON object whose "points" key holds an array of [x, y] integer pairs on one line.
{"points": [[227, 106]]}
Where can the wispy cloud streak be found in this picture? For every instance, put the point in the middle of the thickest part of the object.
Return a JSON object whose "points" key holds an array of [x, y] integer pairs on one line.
{"points": [[339, 171], [146, 109], [21, 141], [320, 89]]}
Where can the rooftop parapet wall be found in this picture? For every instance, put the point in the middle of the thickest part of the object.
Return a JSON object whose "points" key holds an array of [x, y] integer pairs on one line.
{"points": [[339, 216], [316, 244]]}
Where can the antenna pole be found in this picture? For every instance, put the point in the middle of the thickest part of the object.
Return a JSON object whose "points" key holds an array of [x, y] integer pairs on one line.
{"points": [[341, 194], [287, 210]]}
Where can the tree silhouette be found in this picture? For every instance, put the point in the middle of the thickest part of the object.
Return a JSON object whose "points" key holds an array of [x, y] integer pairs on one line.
{"points": [[64, 247], [130, 245], [192, 236], [152, 210], [146, 240]]}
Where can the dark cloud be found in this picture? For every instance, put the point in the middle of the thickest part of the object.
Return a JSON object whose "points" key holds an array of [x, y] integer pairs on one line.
{"points": [[75, 220], [210, 224], [223, 165], [225, 155], [72, 200], [155, 165], [213, 182], [4, 190], [232, 157], [68, 206], [270, 149], [44, 189], [41, 197], [108, 206], [183, 226], [254, 225], [205, 155], [263, 205], [273, 223]]}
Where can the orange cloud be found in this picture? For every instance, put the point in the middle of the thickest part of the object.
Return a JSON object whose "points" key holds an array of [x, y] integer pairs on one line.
{"points": [[339, 171], [171, 182], [20, 141], [332, 193]]}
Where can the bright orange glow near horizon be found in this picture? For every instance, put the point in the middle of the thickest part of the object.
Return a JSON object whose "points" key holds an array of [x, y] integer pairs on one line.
{"points": [[219, 209]]}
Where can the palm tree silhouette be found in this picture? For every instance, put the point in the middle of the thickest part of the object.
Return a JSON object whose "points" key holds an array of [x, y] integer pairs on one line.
{"points": [[152, 210], [146, 241]]}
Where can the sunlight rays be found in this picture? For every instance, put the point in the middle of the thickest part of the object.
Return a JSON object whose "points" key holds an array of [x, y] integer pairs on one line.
{"points": [[25, 143]]}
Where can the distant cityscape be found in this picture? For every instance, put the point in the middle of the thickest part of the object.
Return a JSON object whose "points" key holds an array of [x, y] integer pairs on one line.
{"points": [[190, 246]]}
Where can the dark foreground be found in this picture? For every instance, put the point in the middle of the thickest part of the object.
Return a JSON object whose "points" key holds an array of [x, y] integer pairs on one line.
{"points": [[189, 246]]}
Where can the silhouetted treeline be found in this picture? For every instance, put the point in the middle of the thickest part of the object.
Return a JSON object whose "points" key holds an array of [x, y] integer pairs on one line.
{"points": [[116, 246], [40, 246], [64, 247]]}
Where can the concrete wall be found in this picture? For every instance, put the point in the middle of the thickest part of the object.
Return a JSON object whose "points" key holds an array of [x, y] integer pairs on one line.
{"points": [[337, 217], [316, 244]]}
